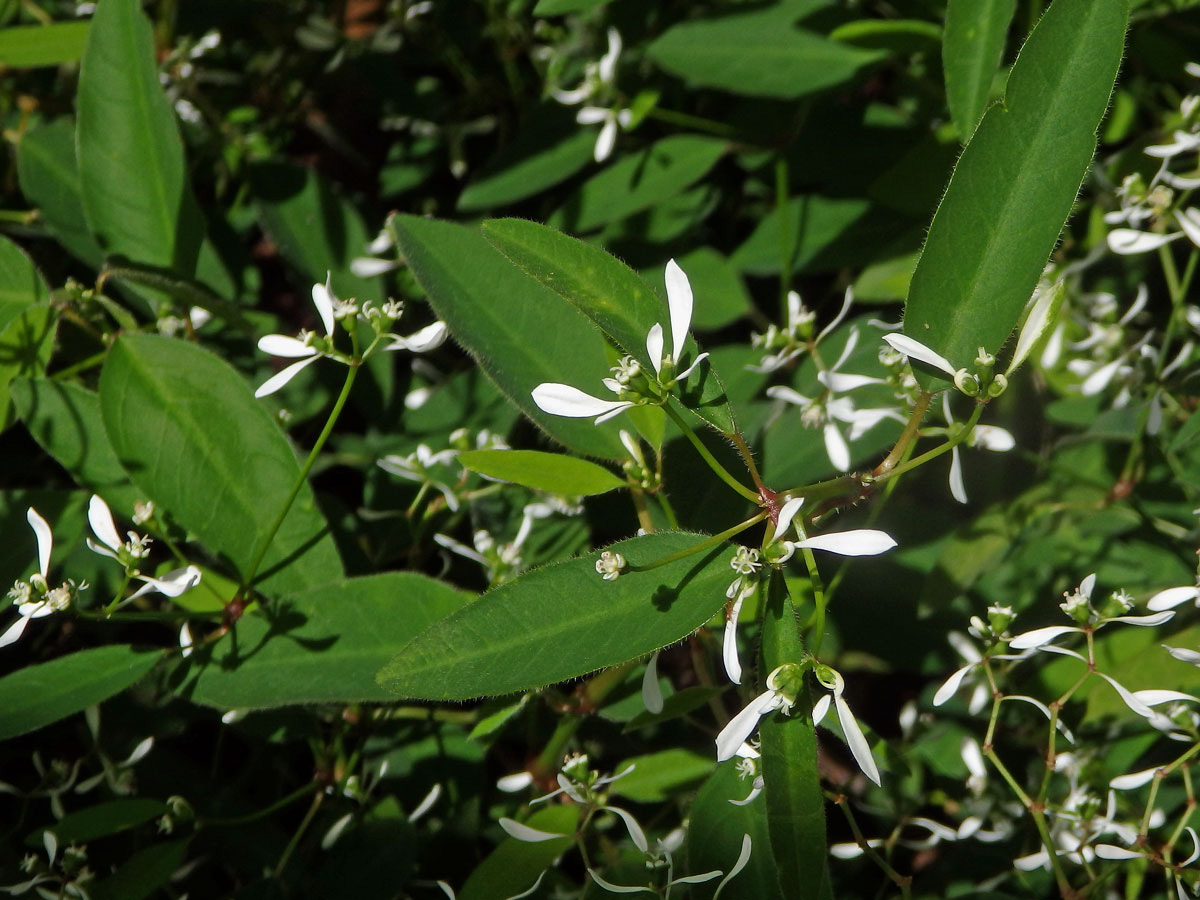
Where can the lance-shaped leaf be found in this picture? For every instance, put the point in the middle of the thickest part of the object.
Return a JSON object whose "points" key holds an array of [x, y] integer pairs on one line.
{"points": [[541, 471], [614, 297], [971, 51], [719, 822], [563, 621], [795, 807], [521, 334], [1014, 185]]}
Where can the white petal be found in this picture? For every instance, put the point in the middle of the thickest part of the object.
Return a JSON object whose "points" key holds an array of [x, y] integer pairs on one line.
{"points": [[281, 378], [847, 300], [370, 266], [729, 653], [697, 879], [743, 724], [426, 803], [847, 349], [1128, 241], [679, 301], [950, 685], [422, 341], [1040, 636], [992, 437], [537, 884], [173, 584], [858, 542], [1172, 597], [1088, 585], [749, 798], [1187, 656], [1129, 700], [786, 514], [101, 519], [518, 781], [1195, 847], [743, 858], [282, 345], [608, 62], [524, 833], [963, 646], [654, 347], [1038, 860], [1046, 299], [45, 539], [606, 140], [839, 383], [1133, 779], [617, 888], [322, 296], [779, 392], [820, 708], [573, 96], [1157, 697], [564, 400], [836, 449], [1154, 619], [680, 376], [14, 631], [847, 850], [1112, 851], [612, 413], [651, 690], [1099, 379], [957, 490], [635, 830], [914, 349], [972, 757], [591, 115], [859, 748]]}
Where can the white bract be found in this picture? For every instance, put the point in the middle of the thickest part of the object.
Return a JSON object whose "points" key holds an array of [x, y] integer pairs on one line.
{"points": [[783, 685], [35, 599], [855, 739], [628, 375], [599, 80], [128, 553]]}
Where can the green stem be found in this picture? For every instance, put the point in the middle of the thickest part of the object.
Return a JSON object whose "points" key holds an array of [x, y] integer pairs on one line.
{"points": [[687, 120], [721, 471], [904, 882], [911, 430], [702, 546], [304, 823], [667, 509], [301, 479], [262, 813], [953, 442], [748, 458], [818, 589]]}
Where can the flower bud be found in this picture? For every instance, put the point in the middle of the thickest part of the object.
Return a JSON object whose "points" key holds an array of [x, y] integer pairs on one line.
{"points": [[998, 385], [966, 382]]}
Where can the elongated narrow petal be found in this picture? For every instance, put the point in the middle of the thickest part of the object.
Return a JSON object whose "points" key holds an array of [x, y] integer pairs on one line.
{"points": [[836, 448], [322, 297], [608, 62], [1040, 636], [964, 647], [1099, 379], [606, 139], [524, 833], [1195, 854], [743, 858], [914, 349], [1133, 780], [1154, 619], [530, 890], [859, 748], [617, 888], [564, 400], [820, 708], [591, 115], [958, 490], [839, 383], [1130, 242], [1159, 696], [1112, 851], [1172, 597], [281, 378], [755, 790], [518, 781], [423, 340], [786, 514], [654, 347], [631, 824], [651, 690], [742, 725], [427, 803], [282, 345], [700, 357], [993, 437], [729, 651], [847, 302], [101, 519], [371, 266], [698, 879], [858, 542], [950, 685], [1088, 585], [14, 631], [173, 584], [679, 301], [1127, 698], [780, 392], [1187, 656], [45, 539]]}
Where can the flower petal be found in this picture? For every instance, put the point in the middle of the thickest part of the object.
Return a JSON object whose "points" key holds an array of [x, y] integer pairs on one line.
{"points": [[281, 378], [1040, 636], [859, 748], [729, 652], [840, 383], [858, 542], [743, 724], [45, 539], [1133, 779], [1131, 701], [847, 301], [993, 437], [1112, 851], [14, 631], [651, 690], [780, 392], [950, 685], [1172, 597], [423, 340], [679, 301], [322, 297], [1155, 619], [1187, 656], [606, 139], [282, 345], [914, 349], [1129, 241], [564, 400], [635, 830], [957, 489], [617, 888], [1157, 697], [524, 833], [371, 266], [786, 514], [173, 584], [820, 708], [743, 858], [836, 448], [518, 781], [654, 347], [101, 519]]}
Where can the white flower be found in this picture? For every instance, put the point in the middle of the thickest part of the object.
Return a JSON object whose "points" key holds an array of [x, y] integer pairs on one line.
{"points": [[1173, 597], [613, 120], [914, 349], [565, 400], [303, 348], [856, 542], [782, 687], [598, 76], [34, 598], [987, 437], [127, 553], [859, 748], [1130, 242], [416, 465]]}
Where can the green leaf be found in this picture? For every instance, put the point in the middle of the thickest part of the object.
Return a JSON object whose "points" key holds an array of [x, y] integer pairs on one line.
{"points": [[21, 286], [551, 472], [66, 421], [900, 36], [610, 294], [1014, 185], [563, 621], [974, 43], [316, 228], [795, 806], [657, 777], [49, 180], [193, 438], [324, 645], [758, 54], [521, 333], [515, 865], [35, 696], [724, 297], [25, 347], [715, 835], [638, 181], [28, 46], [142, 874], [549, 148], [134, 182], [560, 7], [104, 819]]}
